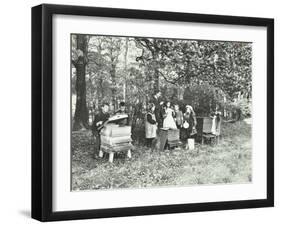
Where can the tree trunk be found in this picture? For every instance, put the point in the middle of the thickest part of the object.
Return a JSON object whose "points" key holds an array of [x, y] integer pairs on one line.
{"points": [[81, 114], [113, 88], [125, 69], [156, 83]]}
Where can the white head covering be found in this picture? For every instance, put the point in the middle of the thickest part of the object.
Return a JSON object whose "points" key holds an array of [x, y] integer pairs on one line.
{"points": [[189, 108]]}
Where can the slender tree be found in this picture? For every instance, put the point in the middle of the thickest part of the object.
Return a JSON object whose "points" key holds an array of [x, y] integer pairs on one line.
{"points": [[113, 46], [79, 60], [125, 68]]}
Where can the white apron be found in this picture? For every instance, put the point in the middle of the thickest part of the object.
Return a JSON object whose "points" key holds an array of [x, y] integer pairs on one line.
{"points": [[169, 121], [150, 129]]}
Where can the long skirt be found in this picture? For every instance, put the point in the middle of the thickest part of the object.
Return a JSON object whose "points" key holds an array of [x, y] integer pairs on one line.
{"points": [[169, 122]]}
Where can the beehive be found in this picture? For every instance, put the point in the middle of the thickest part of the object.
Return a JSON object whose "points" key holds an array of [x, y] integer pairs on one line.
{"points": [[114, 130], [173, 135], [116, 138], [170, 137]]}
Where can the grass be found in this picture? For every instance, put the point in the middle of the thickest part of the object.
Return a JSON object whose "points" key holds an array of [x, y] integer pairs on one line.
{"points": [[227, 162]]}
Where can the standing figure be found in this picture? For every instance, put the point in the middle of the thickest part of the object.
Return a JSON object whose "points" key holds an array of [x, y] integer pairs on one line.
{"points": [[178, 116], [189, 123], [122, 111], [151, 127], [169, 121], [99, 120], [158, 103]]}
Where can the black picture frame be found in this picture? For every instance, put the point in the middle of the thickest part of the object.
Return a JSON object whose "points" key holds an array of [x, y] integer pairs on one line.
{"points": [[42, 107]]}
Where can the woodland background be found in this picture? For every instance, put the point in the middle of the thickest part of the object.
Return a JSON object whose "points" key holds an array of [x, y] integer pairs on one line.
{"points": [[209, 75]]}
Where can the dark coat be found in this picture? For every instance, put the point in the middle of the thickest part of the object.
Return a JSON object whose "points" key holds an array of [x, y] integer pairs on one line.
{"points": [[191, 119], [103, 117], [159, 111]]}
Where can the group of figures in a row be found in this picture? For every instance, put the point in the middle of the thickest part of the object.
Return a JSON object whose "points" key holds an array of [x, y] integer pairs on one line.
{"points": [[159, 114], [167, 115]]}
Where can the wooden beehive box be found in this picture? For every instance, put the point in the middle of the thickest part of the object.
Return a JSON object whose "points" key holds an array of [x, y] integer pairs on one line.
{"points": [[115, 137], [114, 130], [204, 125], [173, 134], [115, 140], [170, 136]]}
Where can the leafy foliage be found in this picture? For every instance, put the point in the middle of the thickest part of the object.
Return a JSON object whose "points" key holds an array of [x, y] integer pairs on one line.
{"points": [[243, 107], [204, 73], [222, 64], [204, 97]]}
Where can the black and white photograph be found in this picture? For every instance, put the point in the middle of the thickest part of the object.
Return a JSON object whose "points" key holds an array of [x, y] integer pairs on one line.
{"points": [[153, 112], [142, 112]]}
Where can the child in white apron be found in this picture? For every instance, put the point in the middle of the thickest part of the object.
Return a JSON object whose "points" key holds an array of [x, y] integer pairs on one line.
{"points": [[150, 127]]}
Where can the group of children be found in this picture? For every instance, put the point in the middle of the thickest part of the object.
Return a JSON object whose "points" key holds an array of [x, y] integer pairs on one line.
{"points": [[169, 116], [159, 115]]}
